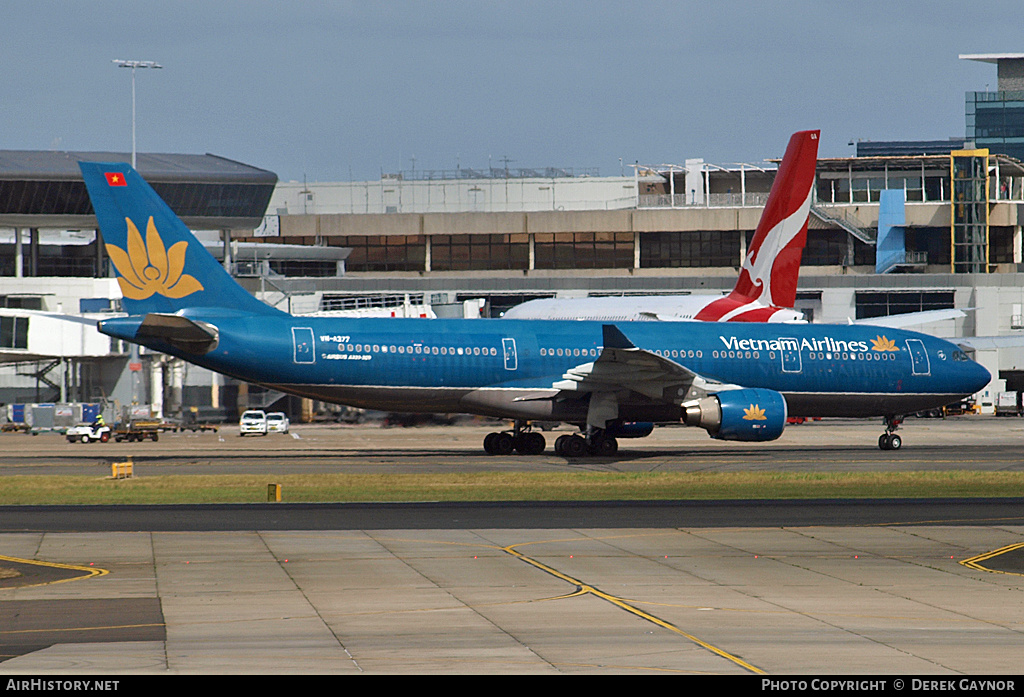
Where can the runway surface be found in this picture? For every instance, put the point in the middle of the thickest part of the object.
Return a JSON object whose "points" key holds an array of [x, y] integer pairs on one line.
{"points": [[973, 442], [891, 587]]}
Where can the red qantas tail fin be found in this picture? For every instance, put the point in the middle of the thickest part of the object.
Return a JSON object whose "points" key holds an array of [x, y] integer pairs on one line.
{"points": [[771, 270], [772, 267]]}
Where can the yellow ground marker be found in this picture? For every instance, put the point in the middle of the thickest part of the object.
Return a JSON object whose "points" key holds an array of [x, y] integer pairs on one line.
{"points": [[89, 571], [976, 561], [583, 588]]}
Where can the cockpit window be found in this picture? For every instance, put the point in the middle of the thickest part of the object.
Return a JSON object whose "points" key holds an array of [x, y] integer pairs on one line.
{"points": [[960, 356]]}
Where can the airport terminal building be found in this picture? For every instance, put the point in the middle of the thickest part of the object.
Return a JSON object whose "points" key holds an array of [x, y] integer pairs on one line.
{"points": [[476, 242]]}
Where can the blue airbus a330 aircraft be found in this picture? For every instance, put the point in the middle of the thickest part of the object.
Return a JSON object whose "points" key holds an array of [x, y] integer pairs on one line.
{"points": [[739, 381]]}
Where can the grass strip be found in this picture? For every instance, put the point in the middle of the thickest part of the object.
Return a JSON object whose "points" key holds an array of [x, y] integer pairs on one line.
{"points": [[497, 486]]}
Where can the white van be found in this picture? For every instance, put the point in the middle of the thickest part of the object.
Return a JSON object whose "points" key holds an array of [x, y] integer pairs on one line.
{"points": [[253, 421]]}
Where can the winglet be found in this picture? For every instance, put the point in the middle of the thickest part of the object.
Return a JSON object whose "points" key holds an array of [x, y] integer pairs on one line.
{"points": [[613, 338]]}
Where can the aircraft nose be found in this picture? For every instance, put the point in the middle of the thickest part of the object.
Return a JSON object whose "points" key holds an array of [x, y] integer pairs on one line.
{"points": [[978, 376]]}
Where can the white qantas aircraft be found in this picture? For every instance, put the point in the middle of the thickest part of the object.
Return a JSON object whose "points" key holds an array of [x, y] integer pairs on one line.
{"points": [[766, 288]]}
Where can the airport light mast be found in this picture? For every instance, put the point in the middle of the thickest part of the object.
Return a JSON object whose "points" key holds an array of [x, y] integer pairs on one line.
{"points": [[134, 365], [133, 65]]}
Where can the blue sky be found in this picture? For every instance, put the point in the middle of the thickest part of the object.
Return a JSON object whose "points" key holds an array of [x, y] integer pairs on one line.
{"points": [[337, 90]]}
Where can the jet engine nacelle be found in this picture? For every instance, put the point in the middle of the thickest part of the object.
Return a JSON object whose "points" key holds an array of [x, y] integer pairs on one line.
{"points": [[748, 415]]}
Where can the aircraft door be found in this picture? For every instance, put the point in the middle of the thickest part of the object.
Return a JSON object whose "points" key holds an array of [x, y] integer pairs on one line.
{"points": [[791, 360], [508, 347], [302, 343], [918, 357]]}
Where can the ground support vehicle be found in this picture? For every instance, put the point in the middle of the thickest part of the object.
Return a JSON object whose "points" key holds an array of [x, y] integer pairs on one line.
{"points": [[277, 422], [1006, 404], [192, 420], [135, 431], [253, 421], [964, 406], [88, 433], [176, 427]]}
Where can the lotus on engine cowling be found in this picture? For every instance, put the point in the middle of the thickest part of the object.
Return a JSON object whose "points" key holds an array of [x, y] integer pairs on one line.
{"points": [[745, 414]]}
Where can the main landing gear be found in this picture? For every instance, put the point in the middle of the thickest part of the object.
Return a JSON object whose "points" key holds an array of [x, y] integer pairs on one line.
{"points": [[596, 443], [889, 440], [520, 439]]}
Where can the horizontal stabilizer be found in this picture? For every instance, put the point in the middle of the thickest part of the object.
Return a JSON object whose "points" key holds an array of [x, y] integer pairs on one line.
{"points": [[183, 333]]}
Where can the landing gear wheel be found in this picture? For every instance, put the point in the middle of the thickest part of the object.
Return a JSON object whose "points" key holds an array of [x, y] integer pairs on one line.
{"points": [[574, 446], [502, 444], [560, 445], [604, 447], [489, 443], [530, 443], [890, 441]]}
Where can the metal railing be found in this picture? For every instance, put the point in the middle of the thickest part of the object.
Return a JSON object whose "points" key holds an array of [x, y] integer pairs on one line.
{"points": [[843, 219], [751, 199], [331, 303], [906, 259]]}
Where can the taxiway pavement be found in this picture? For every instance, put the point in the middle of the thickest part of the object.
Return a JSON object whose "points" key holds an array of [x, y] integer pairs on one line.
{"points": [[894, 594]]}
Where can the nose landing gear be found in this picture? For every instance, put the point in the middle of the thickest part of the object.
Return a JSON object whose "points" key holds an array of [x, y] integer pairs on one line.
{"points": [[889, 440]]}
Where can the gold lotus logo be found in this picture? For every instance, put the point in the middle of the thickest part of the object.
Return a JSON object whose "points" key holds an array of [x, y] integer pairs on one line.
{"points": [[883, 344], [149, 268], [754, 413]]}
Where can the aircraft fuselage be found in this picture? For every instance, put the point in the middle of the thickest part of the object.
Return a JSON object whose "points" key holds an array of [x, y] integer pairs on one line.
{"points": [[507, 368]]}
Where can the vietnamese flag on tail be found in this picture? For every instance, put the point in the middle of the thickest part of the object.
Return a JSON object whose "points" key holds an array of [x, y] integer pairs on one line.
{"points": [[115, 179]]}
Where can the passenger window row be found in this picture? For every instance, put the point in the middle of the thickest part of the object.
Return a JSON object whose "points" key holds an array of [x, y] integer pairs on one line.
{"points": [[584, 353], [423, 350]]}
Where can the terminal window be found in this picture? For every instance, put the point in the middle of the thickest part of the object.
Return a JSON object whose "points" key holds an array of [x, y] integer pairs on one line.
{"points": [[479, 252], [689, 249], [308, 268], [583, 250], [24, 302], [14, 332], [384, 252]]}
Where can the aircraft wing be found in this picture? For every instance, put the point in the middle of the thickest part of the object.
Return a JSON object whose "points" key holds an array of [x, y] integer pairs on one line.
{"points": [[911, 319], [990, 342], [623, 366]]}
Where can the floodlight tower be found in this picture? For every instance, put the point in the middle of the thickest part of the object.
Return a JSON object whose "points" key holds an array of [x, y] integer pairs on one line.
{"points": [[133, 65], [134, 365]]}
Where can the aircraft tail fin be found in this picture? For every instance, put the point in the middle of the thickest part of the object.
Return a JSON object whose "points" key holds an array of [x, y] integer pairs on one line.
{"points": [[772, 267], [161, 266]]}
